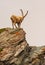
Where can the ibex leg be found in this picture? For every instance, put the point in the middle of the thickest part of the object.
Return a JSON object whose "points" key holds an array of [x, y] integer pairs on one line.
{"points": [[13, 25]]}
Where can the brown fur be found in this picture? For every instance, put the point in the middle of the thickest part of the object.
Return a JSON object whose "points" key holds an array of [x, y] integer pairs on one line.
{"points": [[18, 19]]}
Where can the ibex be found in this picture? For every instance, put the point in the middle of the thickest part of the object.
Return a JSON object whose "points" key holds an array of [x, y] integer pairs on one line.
{"points": [[18, 19]]}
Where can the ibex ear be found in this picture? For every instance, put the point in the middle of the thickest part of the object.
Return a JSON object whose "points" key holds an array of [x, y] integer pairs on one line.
{"points": [[21, 12]]}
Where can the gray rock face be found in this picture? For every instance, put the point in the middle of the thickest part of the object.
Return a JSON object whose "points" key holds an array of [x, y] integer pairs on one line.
{"points": [[14, 49]]}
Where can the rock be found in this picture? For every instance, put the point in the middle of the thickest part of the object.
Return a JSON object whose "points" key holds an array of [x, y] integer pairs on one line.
{"points": [[6, 57], [14, 49], [13, 37], [20, 48]]}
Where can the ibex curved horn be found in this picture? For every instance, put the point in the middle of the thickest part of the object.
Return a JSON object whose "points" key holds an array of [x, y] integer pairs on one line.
{"points": [[22, 12], [26, 14]]}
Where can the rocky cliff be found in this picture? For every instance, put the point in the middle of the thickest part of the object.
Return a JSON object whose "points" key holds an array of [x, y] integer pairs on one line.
{"points": [[14, 49]]}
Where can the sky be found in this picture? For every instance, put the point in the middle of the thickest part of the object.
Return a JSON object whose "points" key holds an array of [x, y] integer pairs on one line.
{"points": [[34, 22]]}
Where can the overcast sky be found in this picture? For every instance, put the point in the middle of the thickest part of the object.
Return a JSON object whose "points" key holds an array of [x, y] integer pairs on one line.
{"points": [[33, 24]]}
